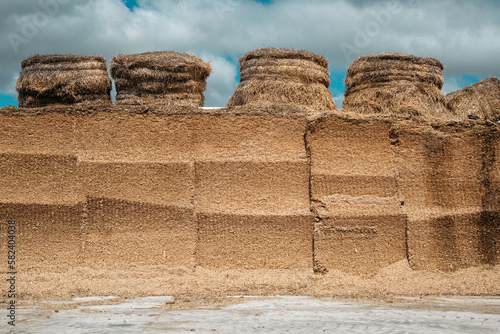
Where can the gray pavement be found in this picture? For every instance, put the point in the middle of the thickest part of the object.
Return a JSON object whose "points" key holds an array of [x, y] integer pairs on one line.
{"points": [[273, 315]]}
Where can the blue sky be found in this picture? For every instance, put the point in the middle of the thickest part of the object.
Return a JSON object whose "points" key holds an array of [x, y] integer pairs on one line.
{"points": [[463, 35], [131, 4], [7, 100]]}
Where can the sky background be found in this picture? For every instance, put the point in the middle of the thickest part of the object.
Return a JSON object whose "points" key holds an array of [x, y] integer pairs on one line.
{"points": [[463, 35]]}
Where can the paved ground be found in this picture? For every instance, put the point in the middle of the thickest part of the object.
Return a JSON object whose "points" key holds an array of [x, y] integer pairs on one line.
{"points": [[273, 315]]}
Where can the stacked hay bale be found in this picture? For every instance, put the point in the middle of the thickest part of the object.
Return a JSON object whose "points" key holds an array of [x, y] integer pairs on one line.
{"points": [[63, 79], [359, 226], [394, 83], [169, 78], [274, 75], [481, 99]]}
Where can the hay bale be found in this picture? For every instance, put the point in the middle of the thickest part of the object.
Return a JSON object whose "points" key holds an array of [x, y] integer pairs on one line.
{"points": [[63, 79], [481, 99], [395, 84], [274, 75], [168, 78]]}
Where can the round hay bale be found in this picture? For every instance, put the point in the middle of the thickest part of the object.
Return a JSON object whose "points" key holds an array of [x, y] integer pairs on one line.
{"points": [[481, 99], [63, 79], [168, 78], [274, 75], [395, 84]]}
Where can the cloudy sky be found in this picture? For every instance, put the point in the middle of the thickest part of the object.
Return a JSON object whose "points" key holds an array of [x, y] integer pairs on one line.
{"points": [[463, 35]]}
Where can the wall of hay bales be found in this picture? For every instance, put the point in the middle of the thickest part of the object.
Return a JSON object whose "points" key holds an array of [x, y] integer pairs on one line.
{"points": [[387, 189], [124, 190], [447, 182], [240, 189]]}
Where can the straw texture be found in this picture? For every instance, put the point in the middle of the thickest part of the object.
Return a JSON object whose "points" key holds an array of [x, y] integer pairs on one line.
{"points": [[168, 78], [274, 75], [395, 84], [481, 99], [63, 79]]}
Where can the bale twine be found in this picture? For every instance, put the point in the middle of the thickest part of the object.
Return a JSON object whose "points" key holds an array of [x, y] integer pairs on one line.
{"points": [[274, 75], [480, 100], [167, 78], [63, 79], [395, 84]]}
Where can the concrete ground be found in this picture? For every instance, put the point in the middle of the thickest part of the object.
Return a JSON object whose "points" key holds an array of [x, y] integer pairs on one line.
{"points": [[289, 314]]}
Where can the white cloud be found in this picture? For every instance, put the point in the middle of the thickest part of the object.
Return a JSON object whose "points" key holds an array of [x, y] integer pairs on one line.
{"points": [[223, 77], [462, 34], [451, 85]]}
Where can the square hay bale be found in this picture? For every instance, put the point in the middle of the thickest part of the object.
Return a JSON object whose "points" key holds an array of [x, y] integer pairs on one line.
{"points": [[440, 169], [227, 241], [38, 179], [245, 187], [49, 237], [133, 137], [244, 137], [360, 234], [351, 157], [351, 147], [491, 172], [353, 185], [50, 133], [124, 234], [450, 242], [359, 244], [488, 245], [156, 183]]}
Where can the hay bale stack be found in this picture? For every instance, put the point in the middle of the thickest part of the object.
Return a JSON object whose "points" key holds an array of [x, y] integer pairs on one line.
{"points": [[481, 99], [63, 79], [274, 75], [395, 84], [168, 78]]}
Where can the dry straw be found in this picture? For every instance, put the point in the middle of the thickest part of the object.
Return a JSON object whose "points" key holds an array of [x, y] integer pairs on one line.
{"points": [[481, 99], [274, 75], [167, 78], [63, 79], [395, 84]]}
